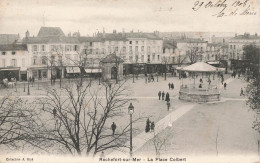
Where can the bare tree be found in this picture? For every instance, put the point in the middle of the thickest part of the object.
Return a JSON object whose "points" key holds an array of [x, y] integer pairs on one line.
{"points": [[193, 53], [15, 118], [158, 143], [76, 120]]}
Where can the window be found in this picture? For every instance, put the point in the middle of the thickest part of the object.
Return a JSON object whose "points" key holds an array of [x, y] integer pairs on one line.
{"points": [[130, 58], [136, 42], [148, 49], [43, 48], [142, 48], [130, 49], [35, 48], [234, 46], [136, 48], [3, 62], [53, 48], [230, 46], [173, 59], [158, 57], [13, 62], [34, 60], [44, 74], [130, 42], [96, 50], [23, 62], [116, 49], [124, 49], [44, 60], [3, 53], [148, 58], [75, 47], [13, 52], [153, 57], [142, 42], [67, 47], [142, 58]]}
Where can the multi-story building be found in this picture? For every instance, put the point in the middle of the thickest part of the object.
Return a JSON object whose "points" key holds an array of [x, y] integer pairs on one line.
{"points": [[235, 48], [187, 46], [52, 54], [216, 52], [14, 61], [135, 48]]}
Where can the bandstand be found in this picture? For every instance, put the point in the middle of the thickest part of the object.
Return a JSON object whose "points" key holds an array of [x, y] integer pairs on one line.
{"points": [[200, 83]]}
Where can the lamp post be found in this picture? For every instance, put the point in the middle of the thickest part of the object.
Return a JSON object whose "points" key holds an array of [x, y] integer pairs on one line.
{"points": [[130, 112], [28, 93]]}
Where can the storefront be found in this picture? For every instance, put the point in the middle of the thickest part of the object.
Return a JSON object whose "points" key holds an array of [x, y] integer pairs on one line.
{"points": [[10, 72], [72, 72]]}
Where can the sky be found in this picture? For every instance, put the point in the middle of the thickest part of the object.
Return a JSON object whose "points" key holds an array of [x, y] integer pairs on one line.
{"points": [[90, 16]]}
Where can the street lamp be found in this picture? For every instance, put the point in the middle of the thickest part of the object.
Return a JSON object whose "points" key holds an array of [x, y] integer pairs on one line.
{"points": [[130, 112]]}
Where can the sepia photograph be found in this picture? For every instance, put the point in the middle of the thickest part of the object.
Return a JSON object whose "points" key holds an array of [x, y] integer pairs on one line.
{"points": [[107, 81]]}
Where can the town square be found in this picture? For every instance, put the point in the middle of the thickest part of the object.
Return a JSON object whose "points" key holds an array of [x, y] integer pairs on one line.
{"points": [[115, 81]]}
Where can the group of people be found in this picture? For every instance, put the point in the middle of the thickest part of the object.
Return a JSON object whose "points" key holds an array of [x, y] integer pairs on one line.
{"points": [[162, 94], [149, 78], [171, 86], [149, 126]]}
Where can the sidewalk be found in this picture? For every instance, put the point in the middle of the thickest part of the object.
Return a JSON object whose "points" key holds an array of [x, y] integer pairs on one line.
{"points": [[143, 137]]}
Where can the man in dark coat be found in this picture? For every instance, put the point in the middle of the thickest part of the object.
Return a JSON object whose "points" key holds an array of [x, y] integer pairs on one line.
{"points": [[54, 111], [163, 95], [152, 126], [167, 97], [169, 85], [172, 86], [147, 127], [159, 94], [225, 85], [113, 127]]}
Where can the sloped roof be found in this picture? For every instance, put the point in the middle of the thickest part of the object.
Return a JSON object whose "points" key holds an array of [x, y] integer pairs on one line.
{"points": [[90, 39], [8, 38], [51, 39], [112, 58], [199, 67], [50, 31], [190, 40], [169, 44], [13, 47]]}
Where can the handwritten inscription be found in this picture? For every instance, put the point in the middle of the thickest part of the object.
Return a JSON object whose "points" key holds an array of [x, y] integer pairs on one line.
{"points": [[226, 9]]}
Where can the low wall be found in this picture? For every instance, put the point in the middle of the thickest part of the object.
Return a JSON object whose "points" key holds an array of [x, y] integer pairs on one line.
{"points": [[193, 97]]}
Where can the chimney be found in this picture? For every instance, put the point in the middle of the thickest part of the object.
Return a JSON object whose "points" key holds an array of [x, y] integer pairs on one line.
{"points": [[27, 34], [255, 34], [114, 31]]}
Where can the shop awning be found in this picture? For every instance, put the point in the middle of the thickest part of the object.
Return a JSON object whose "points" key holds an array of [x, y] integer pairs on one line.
{"points": [[93, 70], [72, 70], [10, 69]]}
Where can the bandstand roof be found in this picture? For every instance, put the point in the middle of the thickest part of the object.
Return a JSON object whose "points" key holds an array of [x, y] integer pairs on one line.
{"points": [[200, 67]]}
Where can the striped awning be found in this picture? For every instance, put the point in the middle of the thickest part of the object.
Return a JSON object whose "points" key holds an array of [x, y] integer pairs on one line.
{"points": [[93, 70], [73, 70]]}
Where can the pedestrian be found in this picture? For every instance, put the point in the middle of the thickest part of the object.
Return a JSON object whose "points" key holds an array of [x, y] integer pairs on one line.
{"points": [[152, 78], [152, 126], [169, 85], [225, 85], [113, 127], [209, 81], [147, 127], [54, 111], [30, 79], [201, 80], [168, 105], [167, 98], [163, 95], [159, 94], [172, 86], [241, 92]]}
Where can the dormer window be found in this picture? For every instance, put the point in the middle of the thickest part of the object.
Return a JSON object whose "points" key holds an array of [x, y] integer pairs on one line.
{"points": [[13, 53]]}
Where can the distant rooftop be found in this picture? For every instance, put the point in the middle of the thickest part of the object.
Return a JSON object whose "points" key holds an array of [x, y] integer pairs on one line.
{"points": [[8, 38], [190, 40], [13, 47], [50, 31], [246, 36], [51, 39]]}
